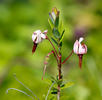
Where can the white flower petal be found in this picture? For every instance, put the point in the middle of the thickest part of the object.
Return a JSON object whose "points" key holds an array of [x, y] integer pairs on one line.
{"points": [[38, 39], [37, 31], [81, 39], [45, 32], [79, 48], [34, 37], [82, 49], [75, 48], [43, 36]]}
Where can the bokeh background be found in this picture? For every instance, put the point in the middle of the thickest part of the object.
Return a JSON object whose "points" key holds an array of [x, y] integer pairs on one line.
{"points": [[18, 20]]}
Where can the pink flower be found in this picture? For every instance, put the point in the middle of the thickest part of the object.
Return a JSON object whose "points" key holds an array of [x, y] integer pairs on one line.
{"points": [[37, 37], [80, 49]]}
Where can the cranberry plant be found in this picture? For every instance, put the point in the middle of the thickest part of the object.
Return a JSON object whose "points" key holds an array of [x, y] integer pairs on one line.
{"points": [[58, 83], [58, 32]]}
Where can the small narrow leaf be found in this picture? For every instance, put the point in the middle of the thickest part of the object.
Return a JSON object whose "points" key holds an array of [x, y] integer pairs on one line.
{"points": [[61, 44], [53, 92], [67, 85], [53, 79], [62, 85], [50, 23], [59, 82], [54, 40], [56, 33], [60, 27], [62, 35], [51, 18], [57, 21], [48, 81]]}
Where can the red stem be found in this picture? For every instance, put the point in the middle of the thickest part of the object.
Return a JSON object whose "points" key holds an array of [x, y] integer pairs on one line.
{"points": [[67, 57], [59, 72], [52, 46], [55, 56]]}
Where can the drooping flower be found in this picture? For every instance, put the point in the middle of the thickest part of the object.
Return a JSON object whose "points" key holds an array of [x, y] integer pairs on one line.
{"points": [[80, 49], [37, 37]]}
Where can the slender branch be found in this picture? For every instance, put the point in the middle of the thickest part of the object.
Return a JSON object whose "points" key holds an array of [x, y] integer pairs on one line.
{"points": [[52, 46], [55, 57], [67, 57], [49, 90], [26, 87], [19, 91], [46, 61]]}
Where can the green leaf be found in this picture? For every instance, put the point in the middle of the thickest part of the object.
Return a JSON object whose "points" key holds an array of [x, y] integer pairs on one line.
{"points": [[57, 21], [53, 79], [60, 27], [62, 35], [62, 85], [67, 85], [51, 18], [56, 33], [60, 44], [51, 24], [54, 40], [57, 77], [53, 92], [48, 81], [54, 89], [59, 82]]}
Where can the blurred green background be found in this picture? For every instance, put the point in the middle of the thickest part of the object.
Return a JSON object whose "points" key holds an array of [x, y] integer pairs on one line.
{"points": [[20, 18]]}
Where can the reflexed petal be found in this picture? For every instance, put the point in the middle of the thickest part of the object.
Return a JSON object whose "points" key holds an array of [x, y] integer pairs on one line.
{"points": [[43, 36], [81, 39], [75, 48], [34, 37], [82, 49], [37, 31], [45, 32], [38, 39]]}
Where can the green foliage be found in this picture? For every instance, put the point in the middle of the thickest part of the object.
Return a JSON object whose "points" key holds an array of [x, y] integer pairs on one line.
{"points": [[54, 41], [56, 33], [62, 35], [57, 21], [56, 27], [67, 85], [51, 23], [63, 84]]}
